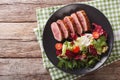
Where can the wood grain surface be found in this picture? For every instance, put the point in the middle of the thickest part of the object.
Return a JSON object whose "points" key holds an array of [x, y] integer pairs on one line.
{"points": [[20, 57]]}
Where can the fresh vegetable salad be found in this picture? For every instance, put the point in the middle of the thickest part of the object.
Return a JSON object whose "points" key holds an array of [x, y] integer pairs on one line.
{"points": [[82, 51]]}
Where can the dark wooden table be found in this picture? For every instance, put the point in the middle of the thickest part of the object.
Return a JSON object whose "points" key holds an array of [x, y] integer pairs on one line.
{"points": [[20, 57]]}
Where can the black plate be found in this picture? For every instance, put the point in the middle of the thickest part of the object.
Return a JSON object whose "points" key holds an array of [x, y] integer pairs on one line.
{"points": [[94, 15]]}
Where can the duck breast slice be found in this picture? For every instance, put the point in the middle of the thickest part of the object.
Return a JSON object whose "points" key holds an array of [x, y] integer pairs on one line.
{"points": [[56, 31], [69, 23], [63, 28], [82, 16], [77, 24]]}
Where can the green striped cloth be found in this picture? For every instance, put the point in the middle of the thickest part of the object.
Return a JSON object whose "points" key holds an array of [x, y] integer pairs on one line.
{"points": [[110, 8]]}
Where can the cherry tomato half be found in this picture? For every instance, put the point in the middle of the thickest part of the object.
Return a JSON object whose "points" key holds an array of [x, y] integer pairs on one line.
{"points": [[76, 49], [96, 35], [58, 46]]}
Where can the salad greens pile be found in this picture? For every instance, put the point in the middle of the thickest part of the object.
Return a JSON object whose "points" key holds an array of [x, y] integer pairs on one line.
{"points": [[83, 51]]}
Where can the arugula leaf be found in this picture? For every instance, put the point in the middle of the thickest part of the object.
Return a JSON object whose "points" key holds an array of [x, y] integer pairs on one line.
{"points": [[83, 63], [74, 63], [67, 63], [60, 64], [90, 56], [70, 65], [91, 63]]}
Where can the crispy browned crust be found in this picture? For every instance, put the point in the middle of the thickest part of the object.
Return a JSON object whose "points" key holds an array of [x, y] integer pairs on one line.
{"points": [[58, 22], [73, 23], [67, 27], [71, 20], [87, 20]]}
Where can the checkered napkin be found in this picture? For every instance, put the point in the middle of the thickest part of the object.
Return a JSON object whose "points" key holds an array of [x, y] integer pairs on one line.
{"points": [[110, 8]]}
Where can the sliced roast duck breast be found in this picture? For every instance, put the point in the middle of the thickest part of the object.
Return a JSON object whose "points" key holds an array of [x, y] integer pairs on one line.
{"points": [[76, 23]]}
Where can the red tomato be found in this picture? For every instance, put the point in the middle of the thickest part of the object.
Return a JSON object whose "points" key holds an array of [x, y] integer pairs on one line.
{"points": [[58, 46], [76, 49], [96, 35]]}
